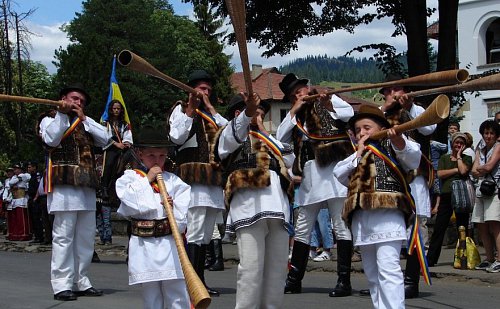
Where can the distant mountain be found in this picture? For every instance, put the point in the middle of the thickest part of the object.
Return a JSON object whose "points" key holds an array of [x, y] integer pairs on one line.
{"points": [[342, 69]]}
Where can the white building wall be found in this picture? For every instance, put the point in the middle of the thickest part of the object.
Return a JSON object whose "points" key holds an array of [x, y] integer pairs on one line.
{"points": [[474, 17]]}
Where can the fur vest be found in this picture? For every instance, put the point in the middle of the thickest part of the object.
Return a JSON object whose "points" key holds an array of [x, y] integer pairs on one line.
{"points": [[319, 123], [374, 185], [249, 166], [73, 161], [196, 165]]}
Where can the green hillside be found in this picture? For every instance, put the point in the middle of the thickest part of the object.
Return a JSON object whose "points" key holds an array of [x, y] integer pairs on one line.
{"points": [[337, 72], [371, 95]]}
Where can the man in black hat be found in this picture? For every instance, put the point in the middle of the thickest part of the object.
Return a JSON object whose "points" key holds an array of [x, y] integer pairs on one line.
{"points": [[192, 127], [317, 129], [398, 109], [70, 137], [257, 189]]}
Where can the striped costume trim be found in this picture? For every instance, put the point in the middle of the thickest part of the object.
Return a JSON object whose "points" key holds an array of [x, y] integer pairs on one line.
{"points": [[233, 227]]}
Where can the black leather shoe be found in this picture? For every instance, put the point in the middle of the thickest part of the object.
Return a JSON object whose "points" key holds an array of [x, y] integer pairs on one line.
{"points": [[341, 290], [89, 292], [293, 287], [212, 292], [65, 296], [411, 291], [95, 258], [364, 292]]}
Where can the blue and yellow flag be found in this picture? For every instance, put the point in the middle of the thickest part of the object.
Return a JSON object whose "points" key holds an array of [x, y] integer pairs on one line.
{"points": [[114, 94]]}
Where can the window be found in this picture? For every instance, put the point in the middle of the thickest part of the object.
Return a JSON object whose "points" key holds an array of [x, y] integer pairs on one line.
{"points": [[493, 42], [493, 106]]}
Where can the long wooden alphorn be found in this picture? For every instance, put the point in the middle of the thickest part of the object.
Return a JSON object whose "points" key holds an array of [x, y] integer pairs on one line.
{"points": [[431, 79], [237, 14], [490, 82], [15, 98], [435, 113], [132, 61], [196, 289]]}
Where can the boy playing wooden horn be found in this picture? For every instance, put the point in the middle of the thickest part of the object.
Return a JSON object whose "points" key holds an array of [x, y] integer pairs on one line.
{"points": [[153, 258], [378, 202]]}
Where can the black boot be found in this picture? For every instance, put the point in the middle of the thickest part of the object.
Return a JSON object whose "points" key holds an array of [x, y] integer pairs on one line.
{"points": [[210, 256], [412, 276], [95, 258], [298, 266], [344, 254], [201, 270], [216, 247]]}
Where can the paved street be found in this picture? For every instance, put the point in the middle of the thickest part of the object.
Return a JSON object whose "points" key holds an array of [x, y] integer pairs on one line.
{"points": [[25, 283]]}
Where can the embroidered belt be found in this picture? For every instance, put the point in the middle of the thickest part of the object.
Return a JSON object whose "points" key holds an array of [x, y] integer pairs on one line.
{"points": [[412, 174], [18, 193], [151, 228]]}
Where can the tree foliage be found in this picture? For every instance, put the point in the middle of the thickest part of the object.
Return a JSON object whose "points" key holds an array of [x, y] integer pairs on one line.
{"points": [[37, 83], [172, 44], [278, 25], [18, 76]]}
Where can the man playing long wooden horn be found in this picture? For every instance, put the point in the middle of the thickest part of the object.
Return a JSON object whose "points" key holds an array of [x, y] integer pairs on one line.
{"points": [[317, 130], [257, 190], [192, 127], [397, 112], [70, 137]]}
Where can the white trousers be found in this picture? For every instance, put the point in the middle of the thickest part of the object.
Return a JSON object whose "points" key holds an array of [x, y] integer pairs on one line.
{"points": [[200, 224], [307, 216], [166, 294], [383, 271], [263, 251], [73, 239]]}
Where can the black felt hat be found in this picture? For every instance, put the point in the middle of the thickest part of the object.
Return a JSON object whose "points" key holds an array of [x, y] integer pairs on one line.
{"points": [[75, 87], [237, 103], [265, 106], [289, 82], [371, 112], [199, 75], [152, 137], [391, 77]]}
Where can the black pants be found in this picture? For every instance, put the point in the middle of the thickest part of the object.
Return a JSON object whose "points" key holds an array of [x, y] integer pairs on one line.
{"points": [[35, 212], [47, 219], [443, 216], [110, 164]]}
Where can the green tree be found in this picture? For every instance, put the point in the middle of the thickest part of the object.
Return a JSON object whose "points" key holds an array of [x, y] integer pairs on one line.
{"points": [[172, 44], [209, 25], [37, 83]]}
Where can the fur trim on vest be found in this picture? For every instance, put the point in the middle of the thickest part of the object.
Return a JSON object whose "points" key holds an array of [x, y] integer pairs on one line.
{"points": [[373, 185], [258, 176], [319, 122], [74, 160], [197, 165]]}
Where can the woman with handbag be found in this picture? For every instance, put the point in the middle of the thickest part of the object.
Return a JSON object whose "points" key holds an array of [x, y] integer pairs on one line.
{"points": [[486, 213], [453, 166]]}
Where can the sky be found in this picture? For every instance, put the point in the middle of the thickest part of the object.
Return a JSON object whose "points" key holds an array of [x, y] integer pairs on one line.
{"points": [[50, 15]]}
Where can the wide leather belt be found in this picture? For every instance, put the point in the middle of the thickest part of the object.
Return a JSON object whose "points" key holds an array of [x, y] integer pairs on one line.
{"points": [[151, 228], [18, 193]]}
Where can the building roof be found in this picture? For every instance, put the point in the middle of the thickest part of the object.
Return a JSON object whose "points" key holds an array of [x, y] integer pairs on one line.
{"points": [[433, 30], [265, 82]]}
